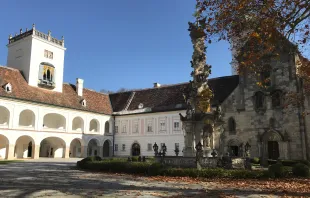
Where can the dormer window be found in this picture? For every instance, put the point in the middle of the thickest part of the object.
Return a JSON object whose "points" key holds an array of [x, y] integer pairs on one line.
{"points": [[140, 106], [8, 88], [83, 102]]}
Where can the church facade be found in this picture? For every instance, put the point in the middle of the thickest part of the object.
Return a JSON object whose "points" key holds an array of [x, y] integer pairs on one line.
{"points": [[40, 116]]}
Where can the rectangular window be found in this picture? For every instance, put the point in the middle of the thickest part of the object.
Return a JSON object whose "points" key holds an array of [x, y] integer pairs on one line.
{"points": [[124, 129], [136, 128], [123, 147], [116, 147], [177, 146], [149, 127], [149, 147], [48, 54], [176, 125], [162, 125], [116, 129]]}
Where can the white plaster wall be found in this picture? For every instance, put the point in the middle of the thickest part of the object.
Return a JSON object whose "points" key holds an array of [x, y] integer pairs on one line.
{"points": [[169, 136], [15, 107], [13, 131], [19, 55], [37, 52]]}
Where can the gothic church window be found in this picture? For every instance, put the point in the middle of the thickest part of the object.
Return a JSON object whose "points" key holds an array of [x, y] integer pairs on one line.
{"points": [[265, 76], [231, 125], [276, 99], [259, 100]]}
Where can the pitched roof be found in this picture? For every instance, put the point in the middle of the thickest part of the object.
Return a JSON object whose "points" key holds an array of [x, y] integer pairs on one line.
{"points": [[168, 98], [96, 102]]}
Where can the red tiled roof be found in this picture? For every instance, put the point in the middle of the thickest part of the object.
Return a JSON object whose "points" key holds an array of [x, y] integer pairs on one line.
{"points": [[95, 102], [169, 98]]}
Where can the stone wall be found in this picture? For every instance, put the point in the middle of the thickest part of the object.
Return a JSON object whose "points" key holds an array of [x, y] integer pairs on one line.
{"points": [[255, 126]]}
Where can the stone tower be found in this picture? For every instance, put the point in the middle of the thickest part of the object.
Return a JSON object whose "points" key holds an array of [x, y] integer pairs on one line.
{"points": [[39, 56]]}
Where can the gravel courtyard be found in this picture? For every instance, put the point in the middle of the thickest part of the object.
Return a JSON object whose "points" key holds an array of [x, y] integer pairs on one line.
{"points": [[52, 178]]}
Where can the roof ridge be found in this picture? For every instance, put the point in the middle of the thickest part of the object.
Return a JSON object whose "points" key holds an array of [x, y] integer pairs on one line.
{"points": [[10, 68], [67, 83], [171, 85]]}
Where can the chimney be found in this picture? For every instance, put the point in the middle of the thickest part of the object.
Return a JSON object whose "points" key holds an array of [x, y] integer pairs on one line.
{"points": [[156, 85], [79, 86]]}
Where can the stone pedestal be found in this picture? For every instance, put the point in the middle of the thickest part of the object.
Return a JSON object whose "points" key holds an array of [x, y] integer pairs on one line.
{"points": [[207, 152], [189, 152]]}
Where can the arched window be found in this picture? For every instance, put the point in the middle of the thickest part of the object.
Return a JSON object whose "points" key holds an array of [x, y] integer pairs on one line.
{"points": [[276, 99], [107, 127], [94, 125], [46, 74], [266, 76], [231, 125], [259, 100]]}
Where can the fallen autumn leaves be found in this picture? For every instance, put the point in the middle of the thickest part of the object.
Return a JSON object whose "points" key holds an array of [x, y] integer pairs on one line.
{"points": [[295, 187]]}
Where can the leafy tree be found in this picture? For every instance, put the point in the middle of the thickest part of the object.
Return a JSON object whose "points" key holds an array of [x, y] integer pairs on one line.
{"points": [[260, 29], [263, 21]]}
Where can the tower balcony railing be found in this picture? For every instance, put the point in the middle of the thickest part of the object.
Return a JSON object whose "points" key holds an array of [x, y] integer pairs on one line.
{"points": [[46, 83], [48, 38], [36, 33]]}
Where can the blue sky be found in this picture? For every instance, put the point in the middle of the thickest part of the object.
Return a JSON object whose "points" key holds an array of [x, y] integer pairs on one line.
{"points": [[113, 44]]}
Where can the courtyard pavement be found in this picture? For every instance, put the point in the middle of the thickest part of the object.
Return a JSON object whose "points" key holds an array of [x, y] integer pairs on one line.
{"points": [[59, 178]]}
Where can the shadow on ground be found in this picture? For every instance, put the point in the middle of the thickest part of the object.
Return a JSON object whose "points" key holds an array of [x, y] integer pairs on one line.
{"points": [[62, 179]]}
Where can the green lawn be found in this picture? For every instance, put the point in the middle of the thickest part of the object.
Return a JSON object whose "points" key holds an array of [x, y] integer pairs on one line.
{"points": [[9, 161]]}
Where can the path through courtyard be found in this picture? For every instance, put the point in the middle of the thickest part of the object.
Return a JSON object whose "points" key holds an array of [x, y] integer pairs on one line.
{"points": [[50, 178]]}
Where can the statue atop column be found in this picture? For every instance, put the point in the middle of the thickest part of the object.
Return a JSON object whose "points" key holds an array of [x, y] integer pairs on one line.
{"points": [[198, 95]]}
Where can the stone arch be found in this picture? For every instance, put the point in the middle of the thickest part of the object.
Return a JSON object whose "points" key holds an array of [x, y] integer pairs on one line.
{"points": [[272, 135], [107, 127], [273, 144], [54, 121], [93, 147], [94, 125], [107, 148], [24, 147], [27, 118], [4, 147], [135, 149], [76, 146], [233, 147], [53, 147], [4, 116], [78, 124]]}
